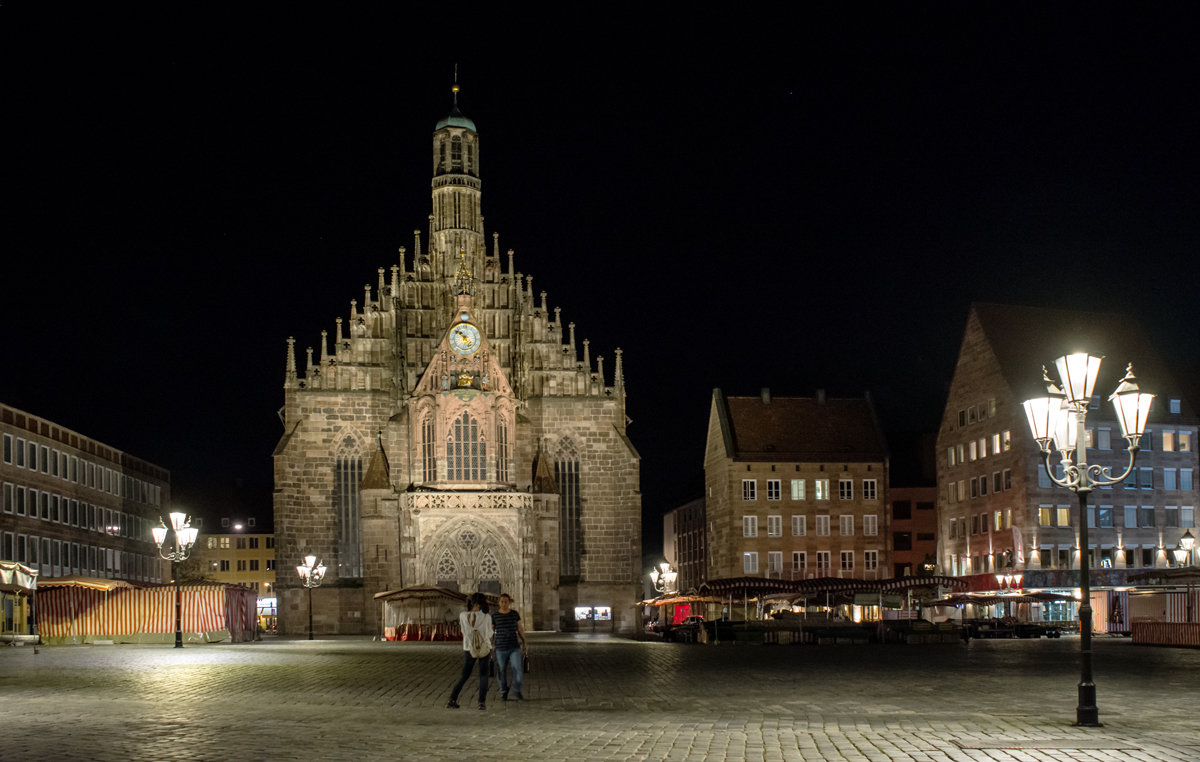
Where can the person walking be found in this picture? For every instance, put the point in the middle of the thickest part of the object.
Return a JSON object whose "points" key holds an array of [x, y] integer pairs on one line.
{"points": [[476, 625], [510, 646]]}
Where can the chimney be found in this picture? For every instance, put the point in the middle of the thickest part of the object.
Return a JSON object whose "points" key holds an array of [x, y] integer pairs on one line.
{"points": [[820, 396], [766, 395]]}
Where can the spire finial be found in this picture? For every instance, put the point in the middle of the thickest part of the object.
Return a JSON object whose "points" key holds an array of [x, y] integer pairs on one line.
{"points": [[454, 87]]}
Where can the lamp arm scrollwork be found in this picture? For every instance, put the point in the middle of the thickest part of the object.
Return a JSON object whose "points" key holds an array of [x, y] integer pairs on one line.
{"points": [[1102, 475], [1070, 478]]}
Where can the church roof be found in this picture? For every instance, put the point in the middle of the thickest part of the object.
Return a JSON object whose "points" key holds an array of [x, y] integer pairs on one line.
{"points": [[802, 428], [1026, 338], [455, 119]]}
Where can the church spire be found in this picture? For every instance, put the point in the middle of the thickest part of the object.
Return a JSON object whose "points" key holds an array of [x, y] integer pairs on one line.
{"points": [[456, 222]]}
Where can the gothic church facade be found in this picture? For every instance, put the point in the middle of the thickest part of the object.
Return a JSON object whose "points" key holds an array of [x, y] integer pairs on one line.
{"points": [[452, 432]]}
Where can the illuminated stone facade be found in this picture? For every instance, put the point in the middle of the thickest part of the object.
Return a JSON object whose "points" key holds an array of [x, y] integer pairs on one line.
{"points": [[997, 510], [453, 432], [795, 488]]}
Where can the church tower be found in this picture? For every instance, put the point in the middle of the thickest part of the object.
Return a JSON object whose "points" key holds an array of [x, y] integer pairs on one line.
{"points": [[453, 436]]}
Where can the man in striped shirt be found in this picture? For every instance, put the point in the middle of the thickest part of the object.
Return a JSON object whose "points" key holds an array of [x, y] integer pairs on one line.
{"points": [[509, 640]]}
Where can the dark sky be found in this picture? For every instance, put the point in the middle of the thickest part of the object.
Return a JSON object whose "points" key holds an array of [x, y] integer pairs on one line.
{"points": [[802, 198]]}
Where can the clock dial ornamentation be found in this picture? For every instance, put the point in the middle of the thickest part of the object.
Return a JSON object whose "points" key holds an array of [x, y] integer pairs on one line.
{"points": [[464, 338]]}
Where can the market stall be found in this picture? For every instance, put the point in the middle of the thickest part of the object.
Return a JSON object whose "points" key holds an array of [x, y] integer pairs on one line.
{"points": [[421, 613]]}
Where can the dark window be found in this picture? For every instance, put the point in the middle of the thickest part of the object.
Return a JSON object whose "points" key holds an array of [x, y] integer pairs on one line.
{"points": [[902, 509], [902, 540], [923, 506], [925, 536]]}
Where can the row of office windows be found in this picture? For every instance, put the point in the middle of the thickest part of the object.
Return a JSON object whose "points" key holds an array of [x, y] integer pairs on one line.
{"points": [[870, 525], [978, 486], [244, 564], [224, 542], [40, 504], [800, 561], [49, 461], [53, 557], [799, 489], [1128, 516], [1067, 557], [980, 523], [1139, 478], [977, 449]]}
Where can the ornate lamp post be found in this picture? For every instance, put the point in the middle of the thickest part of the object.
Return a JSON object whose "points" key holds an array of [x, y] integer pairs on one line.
{"points": [[664, 581], [184, 538], [1057, 422], [312, 571], [1183, 555]]}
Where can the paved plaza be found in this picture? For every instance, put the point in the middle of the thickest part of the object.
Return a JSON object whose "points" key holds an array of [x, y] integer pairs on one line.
{"points": [[594, 697]]}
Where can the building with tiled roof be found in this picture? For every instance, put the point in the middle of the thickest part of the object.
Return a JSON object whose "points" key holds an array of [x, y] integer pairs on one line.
{"points": [[998, 510], [795, 487]]}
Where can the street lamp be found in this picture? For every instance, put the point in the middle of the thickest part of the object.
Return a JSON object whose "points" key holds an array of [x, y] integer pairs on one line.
{"points": [[312, 572], [184, 538], [1058, 423], [664, 581]]}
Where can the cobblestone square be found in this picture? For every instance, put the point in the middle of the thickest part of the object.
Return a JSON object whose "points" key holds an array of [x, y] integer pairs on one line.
{"points": [[593, 697]]}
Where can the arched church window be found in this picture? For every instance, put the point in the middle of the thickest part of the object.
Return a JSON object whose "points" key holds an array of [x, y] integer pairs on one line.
{"points": [[456, 152], [503, 450], [442, 155], [347, 507], [447, 571], [428, 449], [466, 450], [470, 157], [566, 473]]}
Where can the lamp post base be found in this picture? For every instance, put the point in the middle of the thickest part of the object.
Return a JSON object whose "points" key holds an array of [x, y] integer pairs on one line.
{"points": [[1087, 714]]}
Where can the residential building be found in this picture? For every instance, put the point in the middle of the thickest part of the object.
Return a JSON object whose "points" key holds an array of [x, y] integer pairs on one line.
{"points": [[75, 506], [453, 430], [997, 508], [795, 488]]}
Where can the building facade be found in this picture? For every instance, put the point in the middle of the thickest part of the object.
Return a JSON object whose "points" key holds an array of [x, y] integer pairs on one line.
{"points": [[913, 515], [238, 559], [453, 431], [796, 488], [76, 506], [997, 508], [684, 543]]}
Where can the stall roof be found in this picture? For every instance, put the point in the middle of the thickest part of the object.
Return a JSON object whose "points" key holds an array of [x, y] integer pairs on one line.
{"points": [[420, 591], [92, 583], [15, 577]]}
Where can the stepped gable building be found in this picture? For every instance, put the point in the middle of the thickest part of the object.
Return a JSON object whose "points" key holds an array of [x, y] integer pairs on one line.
{"points": [[796, 488], [998, 510], [454, 431]]}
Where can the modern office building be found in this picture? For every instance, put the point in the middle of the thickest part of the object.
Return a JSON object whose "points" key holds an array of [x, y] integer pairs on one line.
{"points": [[75, 506]]}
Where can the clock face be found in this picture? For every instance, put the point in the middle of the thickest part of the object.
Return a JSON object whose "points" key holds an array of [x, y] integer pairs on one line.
{"points": [[464, 338]]}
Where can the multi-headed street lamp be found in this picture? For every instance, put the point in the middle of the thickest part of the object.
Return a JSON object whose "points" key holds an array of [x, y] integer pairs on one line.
{"points": [[664, 581], [184, 538], [1058, 423], [312, 571]]}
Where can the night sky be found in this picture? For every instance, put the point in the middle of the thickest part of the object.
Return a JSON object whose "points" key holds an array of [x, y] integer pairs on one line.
{"points": [[806, 198]]}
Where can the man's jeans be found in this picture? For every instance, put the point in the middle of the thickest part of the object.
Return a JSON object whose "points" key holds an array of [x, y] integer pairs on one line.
{"points": [[504, 658]]}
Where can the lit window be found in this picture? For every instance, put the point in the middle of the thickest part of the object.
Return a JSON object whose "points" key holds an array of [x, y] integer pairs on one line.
{"points": [[822, 488], [972, 450], [797, 489], [1168, 441], [1045, 516], [1006, 441], [1185, 441], [1064, 516], [950, 456]]}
